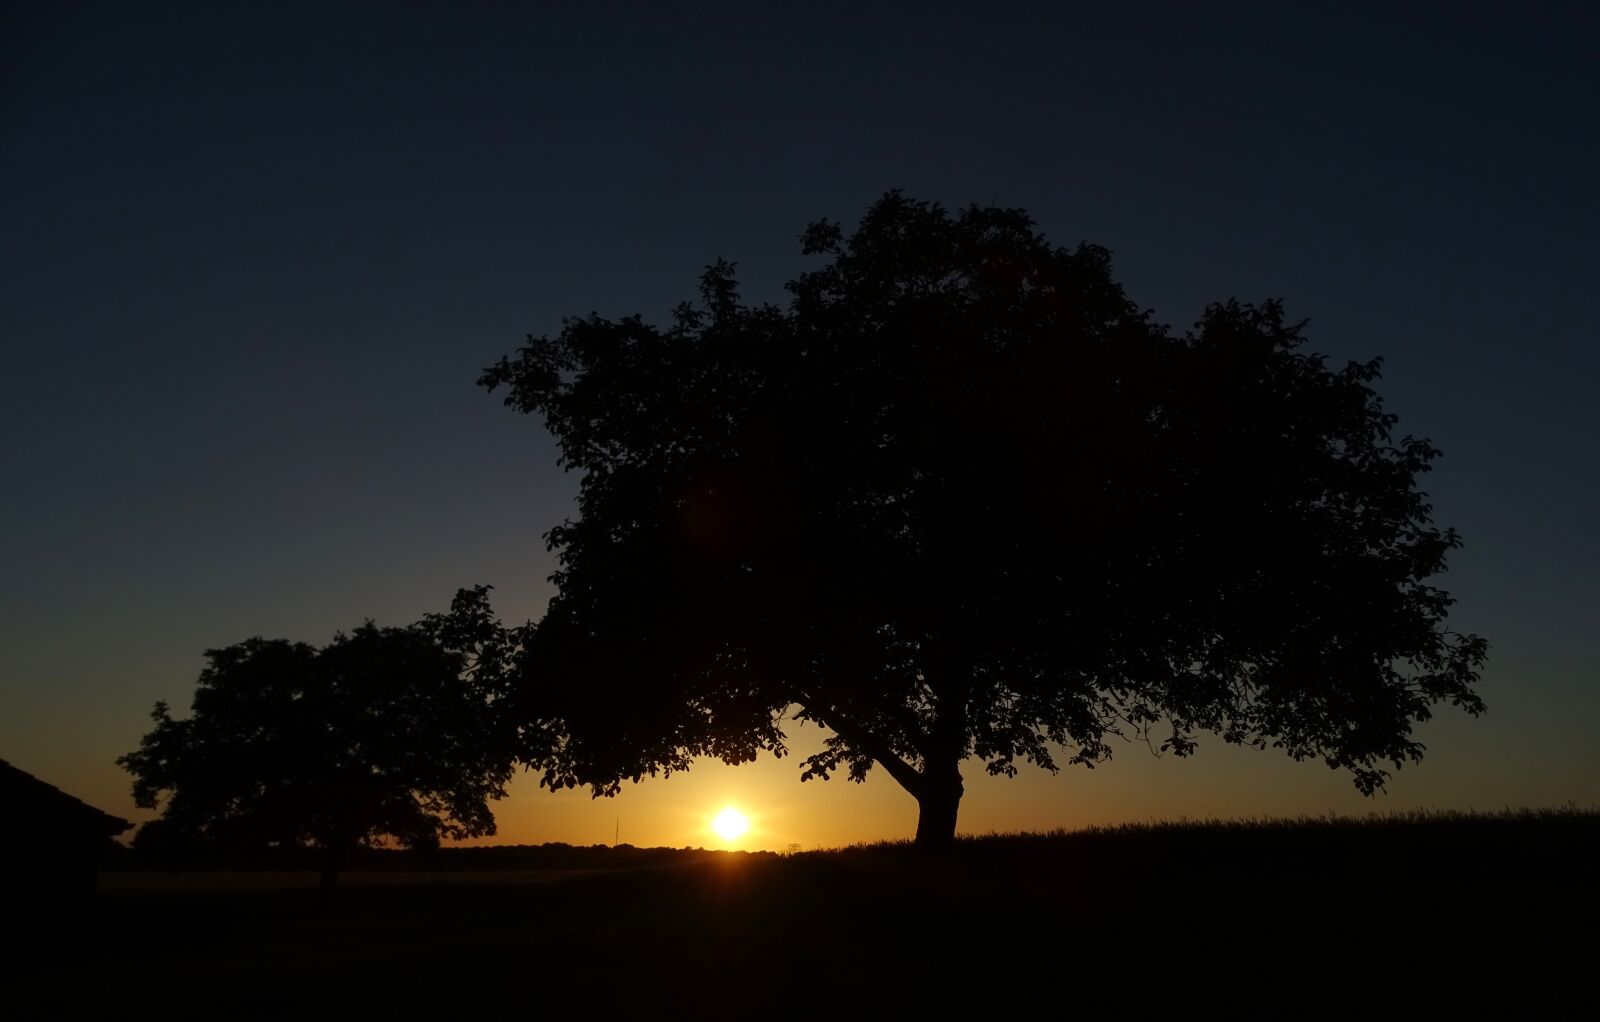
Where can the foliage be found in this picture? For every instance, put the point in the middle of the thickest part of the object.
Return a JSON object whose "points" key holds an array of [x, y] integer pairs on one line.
{"points": [[962, 498], [384, 733]]}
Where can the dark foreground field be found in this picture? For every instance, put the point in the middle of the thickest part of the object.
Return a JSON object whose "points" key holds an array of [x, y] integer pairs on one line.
{"points": [[1267, 920]]}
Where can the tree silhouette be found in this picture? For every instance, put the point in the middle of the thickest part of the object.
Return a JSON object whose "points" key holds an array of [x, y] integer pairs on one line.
{"points": [[960, 498], [384, 733]]}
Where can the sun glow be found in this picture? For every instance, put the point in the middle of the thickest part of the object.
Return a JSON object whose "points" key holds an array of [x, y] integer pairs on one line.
{"points": [[730, 824]]}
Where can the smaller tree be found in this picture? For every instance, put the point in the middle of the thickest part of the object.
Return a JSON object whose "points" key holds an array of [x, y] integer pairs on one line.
{"points": [[382, 734]]}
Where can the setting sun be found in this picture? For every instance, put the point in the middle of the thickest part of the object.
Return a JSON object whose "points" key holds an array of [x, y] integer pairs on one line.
{"points": [[730, 824]]}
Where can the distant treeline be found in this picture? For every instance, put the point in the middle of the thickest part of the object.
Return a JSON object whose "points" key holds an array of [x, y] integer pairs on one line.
{"points": [[554, 855], [1422, 847]]}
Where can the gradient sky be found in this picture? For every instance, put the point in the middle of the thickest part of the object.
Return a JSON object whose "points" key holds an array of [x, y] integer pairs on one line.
{"points": [[251, 263]]}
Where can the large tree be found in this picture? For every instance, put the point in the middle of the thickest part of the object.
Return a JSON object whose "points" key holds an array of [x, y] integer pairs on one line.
{"points": [[384, 733], [962, 499]]}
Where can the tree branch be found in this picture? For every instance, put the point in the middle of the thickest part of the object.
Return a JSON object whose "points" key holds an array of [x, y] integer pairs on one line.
{"points": [[907, 775]]}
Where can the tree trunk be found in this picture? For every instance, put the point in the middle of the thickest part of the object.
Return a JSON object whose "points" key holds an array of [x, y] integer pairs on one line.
{"points": [[937, 805], [937, 786], [333, 859], [939, 793]]}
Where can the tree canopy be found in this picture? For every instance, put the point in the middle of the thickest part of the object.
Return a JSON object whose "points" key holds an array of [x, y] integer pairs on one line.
{"points": [[383, 733], [960, 498]]}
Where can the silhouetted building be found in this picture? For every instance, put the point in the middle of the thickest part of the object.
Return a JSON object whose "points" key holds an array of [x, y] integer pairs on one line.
{"points": [[53, 844]]}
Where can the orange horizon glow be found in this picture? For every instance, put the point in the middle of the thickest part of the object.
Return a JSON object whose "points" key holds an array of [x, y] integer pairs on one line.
{"points": [[1220, 781]]}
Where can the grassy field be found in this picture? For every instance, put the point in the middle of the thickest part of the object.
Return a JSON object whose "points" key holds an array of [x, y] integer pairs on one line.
{"points": [[1256, 919]]}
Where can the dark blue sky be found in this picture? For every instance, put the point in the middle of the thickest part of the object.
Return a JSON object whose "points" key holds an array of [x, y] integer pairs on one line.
{"points": [[255, 255]]}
